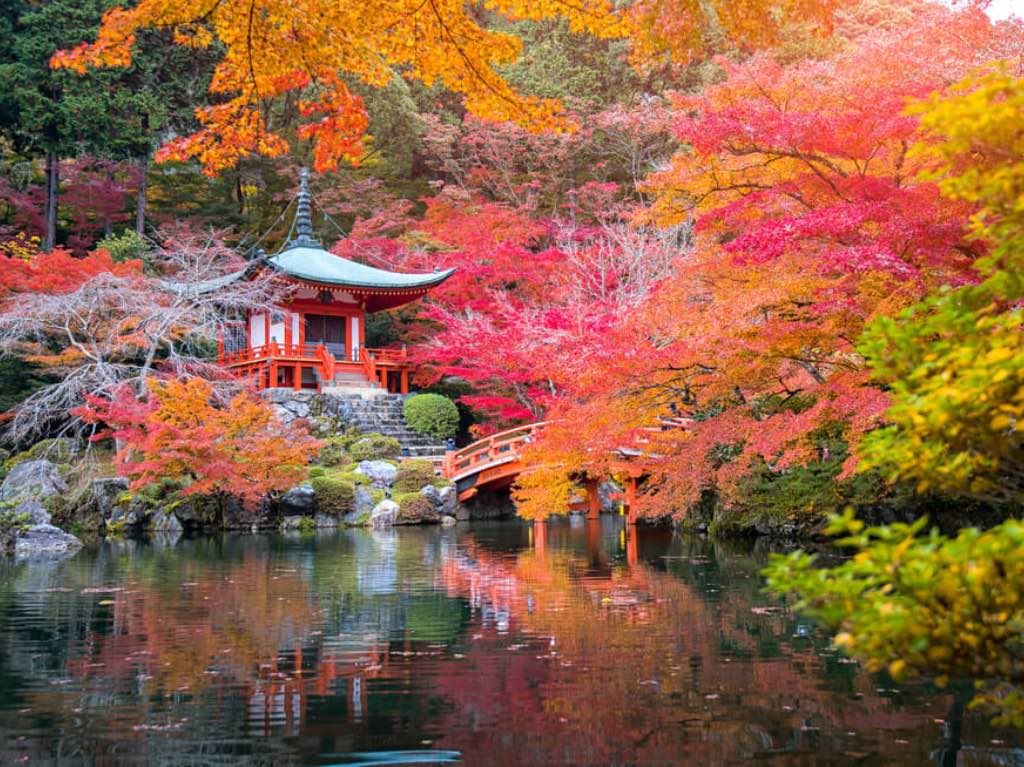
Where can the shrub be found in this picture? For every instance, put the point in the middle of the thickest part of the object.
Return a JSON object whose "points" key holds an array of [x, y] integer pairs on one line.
{"points": [[413, 508], [335, 451], [317, 471], [432, 415], [354, 477], [374, 447], [126, 246], [12, 524], [334, 496], [413, 475]]}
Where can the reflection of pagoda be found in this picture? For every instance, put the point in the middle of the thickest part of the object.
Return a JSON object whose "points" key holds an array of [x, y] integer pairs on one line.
{"points": [[317, 336]]}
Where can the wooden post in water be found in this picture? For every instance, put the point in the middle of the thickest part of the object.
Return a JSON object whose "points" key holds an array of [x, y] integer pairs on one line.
{"points": [[593, 500], [540, 535], [630, 501]]}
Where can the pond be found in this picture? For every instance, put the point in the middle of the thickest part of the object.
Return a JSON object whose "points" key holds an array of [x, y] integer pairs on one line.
{"points": [[478, 644]]}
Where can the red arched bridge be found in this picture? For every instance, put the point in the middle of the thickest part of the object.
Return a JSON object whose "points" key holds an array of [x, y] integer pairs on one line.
{"points": [[493, 463]]}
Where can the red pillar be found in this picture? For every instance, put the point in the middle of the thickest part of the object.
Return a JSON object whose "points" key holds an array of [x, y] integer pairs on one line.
{"points": [[405, 381], [593, 500], [540, 535], [631, 501], [632, 555]]}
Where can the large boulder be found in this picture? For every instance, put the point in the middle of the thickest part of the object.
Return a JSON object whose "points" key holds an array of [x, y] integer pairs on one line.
{"points": [[45, 540], [108, 496], [164, 522], [444, 499], [36, 512], [299, 501], [381, 474], [33, 479], [362, 506], [384, 514]]}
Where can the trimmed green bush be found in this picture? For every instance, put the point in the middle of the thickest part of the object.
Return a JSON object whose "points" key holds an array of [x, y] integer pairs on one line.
{"points": [[317, 471], [413, 508], [413, 476], [432, 415], [375, 447], [334, 496]]}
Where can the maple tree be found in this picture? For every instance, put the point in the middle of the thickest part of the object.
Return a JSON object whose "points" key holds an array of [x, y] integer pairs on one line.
{"points": [[274, 47], [95, 324], [179, 431], [954, 362], [811, 221]]}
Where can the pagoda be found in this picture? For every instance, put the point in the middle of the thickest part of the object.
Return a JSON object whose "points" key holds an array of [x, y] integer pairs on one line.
{"points": [[316, 337]]}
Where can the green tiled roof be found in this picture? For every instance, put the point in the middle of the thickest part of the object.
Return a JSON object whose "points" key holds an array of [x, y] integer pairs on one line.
{"points": [[314, 264]]}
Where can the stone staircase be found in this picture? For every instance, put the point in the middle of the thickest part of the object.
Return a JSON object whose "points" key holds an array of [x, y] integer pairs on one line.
{"points": [[375, 410]]}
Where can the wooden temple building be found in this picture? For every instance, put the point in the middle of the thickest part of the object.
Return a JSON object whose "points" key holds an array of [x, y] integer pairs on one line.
{"points": [[316, 338]]}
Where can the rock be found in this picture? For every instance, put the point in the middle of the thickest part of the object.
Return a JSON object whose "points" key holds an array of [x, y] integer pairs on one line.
{"points": [[449, 501], [381, 473], [33, 479], [37, 514], [362, 507], [431, 494], [363, 502], [384, 514], [192, 511], [325, 521], [448, 521], [292, 523], [298, 501], [45, 540], [107, 494], [164, 522]]}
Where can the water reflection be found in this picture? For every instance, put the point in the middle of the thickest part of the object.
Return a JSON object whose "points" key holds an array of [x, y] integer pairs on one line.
{"points": [[573, 643]]}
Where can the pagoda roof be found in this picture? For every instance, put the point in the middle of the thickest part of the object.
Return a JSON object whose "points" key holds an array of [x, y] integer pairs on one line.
{"points": [[311, 263], [303, 258]]}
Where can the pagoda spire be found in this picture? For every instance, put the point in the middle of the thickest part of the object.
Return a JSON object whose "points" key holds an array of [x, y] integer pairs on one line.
{"points": [[304, 216]]}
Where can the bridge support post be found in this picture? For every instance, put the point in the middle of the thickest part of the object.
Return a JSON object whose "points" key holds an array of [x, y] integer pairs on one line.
{"points": [[630, 501], [593, 500], [540, 535]]}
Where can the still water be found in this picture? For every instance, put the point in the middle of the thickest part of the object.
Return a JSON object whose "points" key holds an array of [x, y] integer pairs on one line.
{"points": [[475, 645]]}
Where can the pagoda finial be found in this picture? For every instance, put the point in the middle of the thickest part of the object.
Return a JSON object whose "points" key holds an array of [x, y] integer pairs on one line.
{"points": [[304, 215]]}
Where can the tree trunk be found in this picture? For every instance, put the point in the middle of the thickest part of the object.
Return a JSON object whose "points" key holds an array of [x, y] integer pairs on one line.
{"points": [[140, 200], [50, 212], [108, 221]]}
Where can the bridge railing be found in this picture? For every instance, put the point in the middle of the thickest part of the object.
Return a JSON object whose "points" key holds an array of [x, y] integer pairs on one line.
{"points": [[501, 446]]}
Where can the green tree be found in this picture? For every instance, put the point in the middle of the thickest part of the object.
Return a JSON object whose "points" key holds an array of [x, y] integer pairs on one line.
{"points": [[955, 362]]}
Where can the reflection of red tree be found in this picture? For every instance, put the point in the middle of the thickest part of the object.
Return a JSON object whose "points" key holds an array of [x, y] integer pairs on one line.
{"points": [[629, 666]]}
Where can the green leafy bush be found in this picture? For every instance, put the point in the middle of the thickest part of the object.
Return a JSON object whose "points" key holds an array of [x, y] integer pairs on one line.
{"points": [[432, 415], [126, 246], [915, 603], [12, 524], [354, 477], [413, 508], [317, 471], [333, 496], [413, 475], [374, 447], [335, 451]]}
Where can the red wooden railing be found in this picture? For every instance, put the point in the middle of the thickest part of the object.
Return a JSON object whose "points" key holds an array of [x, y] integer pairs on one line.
{"points": [[258, 361], [498, 448]]}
